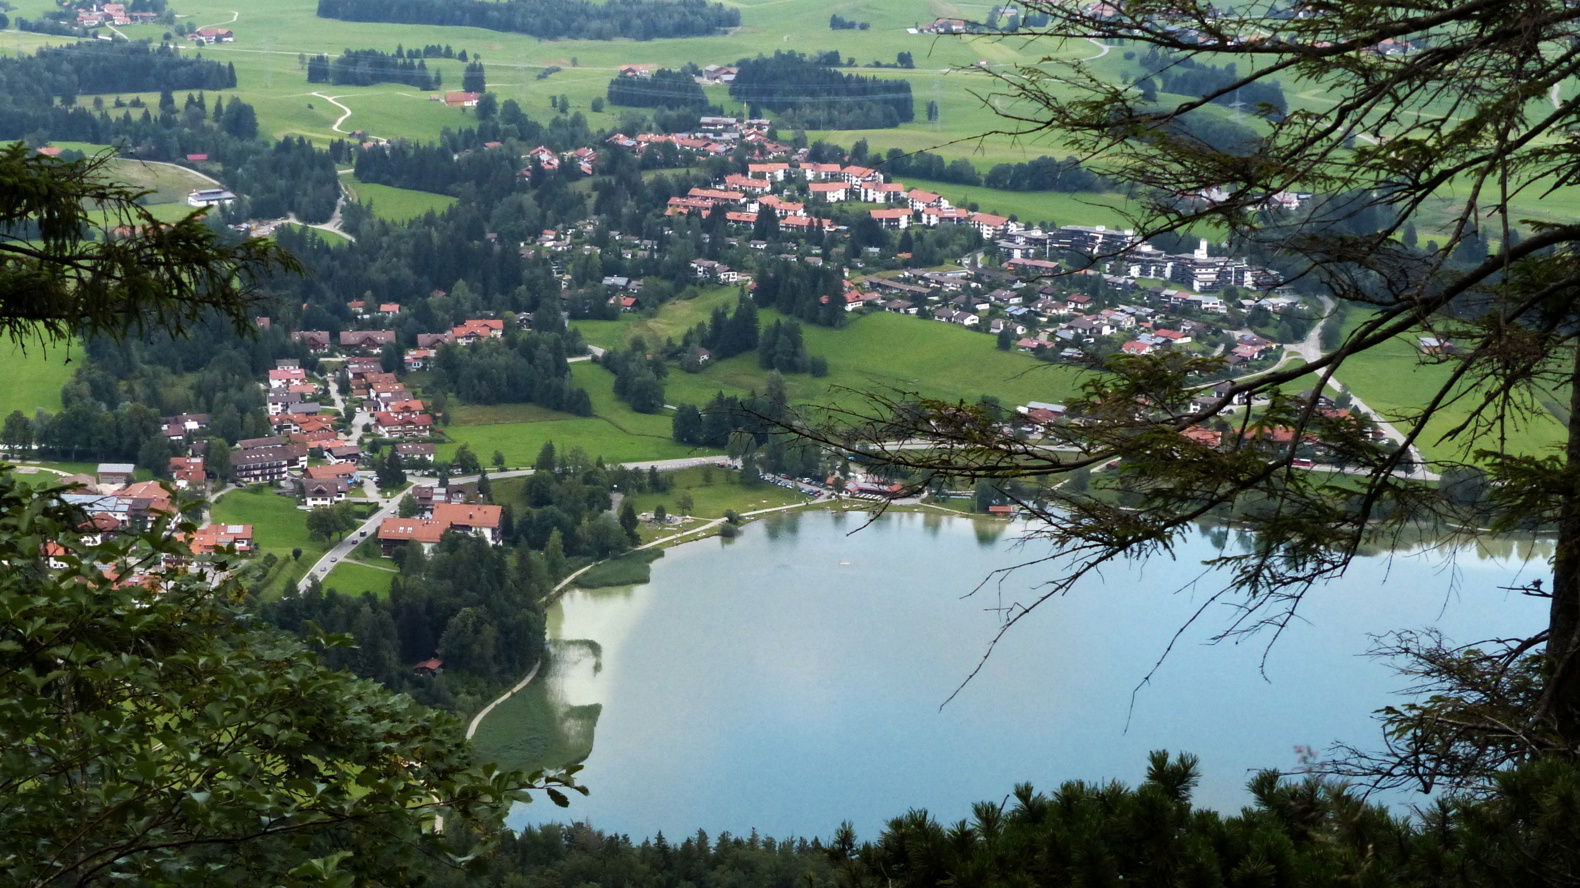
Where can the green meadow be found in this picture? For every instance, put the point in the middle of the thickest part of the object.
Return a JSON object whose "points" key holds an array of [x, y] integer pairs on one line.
{"points": [[272, 39], [355, 578], [396, 204], [1036, 207], [34, 376], [880, 352], [1394, 380], [713, 492], [889, 354], [278, 526]]}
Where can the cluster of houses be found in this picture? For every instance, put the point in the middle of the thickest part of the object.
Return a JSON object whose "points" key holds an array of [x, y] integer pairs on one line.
{"points": [[1019, 299], [437, 517], [114, 503], [112, 14], [743, 197]]}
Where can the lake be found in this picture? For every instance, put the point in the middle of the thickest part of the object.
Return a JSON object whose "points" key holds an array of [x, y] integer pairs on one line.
{"points": [[797, 676]]}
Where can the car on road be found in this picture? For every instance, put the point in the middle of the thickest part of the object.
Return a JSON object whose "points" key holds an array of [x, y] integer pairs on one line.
{"points": [[333, 559]]}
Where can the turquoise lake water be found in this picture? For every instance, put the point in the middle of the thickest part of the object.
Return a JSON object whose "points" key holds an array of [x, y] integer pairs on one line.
{"points": [[797, 676]]}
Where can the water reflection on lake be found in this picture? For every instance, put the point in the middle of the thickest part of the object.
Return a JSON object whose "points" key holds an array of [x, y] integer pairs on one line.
{"points": [[795, 677]]}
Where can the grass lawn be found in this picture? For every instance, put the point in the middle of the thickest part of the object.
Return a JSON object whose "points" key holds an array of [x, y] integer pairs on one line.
{"points": [[277, 526], [518, 431], [1036, 207], [521, 441], [670, 322], [397, 204], [711, 498], [494, 414], [36, 376], [355, 578], [1391, 379], [887, 353]]}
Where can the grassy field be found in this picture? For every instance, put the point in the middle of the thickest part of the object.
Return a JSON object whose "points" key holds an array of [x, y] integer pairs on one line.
{"points": [[277, 527], [1042, 208], [521, 441], [672, 322], [271, 39], [887, 353], [518, 431], [35, 378], [354, 578], [396, 204], [713, 492], [1392, 380]]}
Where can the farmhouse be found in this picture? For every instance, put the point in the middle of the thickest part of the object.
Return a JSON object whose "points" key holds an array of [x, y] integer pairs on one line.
{"points": [[210, 197], [222, 536]]}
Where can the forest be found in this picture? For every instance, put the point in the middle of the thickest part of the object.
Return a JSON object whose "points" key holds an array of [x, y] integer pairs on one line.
{"points": [[549, 19], [809, 94], [664, 89], [1294, 832], [365, 67], [1189, 76], [528, 368], [38, 102], [99, 67]]}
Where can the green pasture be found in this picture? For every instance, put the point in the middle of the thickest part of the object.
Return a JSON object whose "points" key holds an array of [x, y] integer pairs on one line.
{"points": [[889, 354], [519, 431], [671, 322], [873, 353], [271, 39], [396, 204], [355, 578], [34, 375], [714, 491], [599, 385], [277, 527], [1036, 207], [521, 441], [1393, 380]]}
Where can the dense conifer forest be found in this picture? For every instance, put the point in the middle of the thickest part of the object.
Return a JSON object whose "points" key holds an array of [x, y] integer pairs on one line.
{"points": [[550, 19], [664, 89], [98, 67], [365, 67], [809, 94]]}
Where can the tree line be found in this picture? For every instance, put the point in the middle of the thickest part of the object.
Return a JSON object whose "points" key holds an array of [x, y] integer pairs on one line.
{"points": [[808, 94], [663, 89], [477, 607], [365, 67], [289, 176], [1188, 76], [1293, 831], [525, 368], [549, 19], [100, 67]]}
